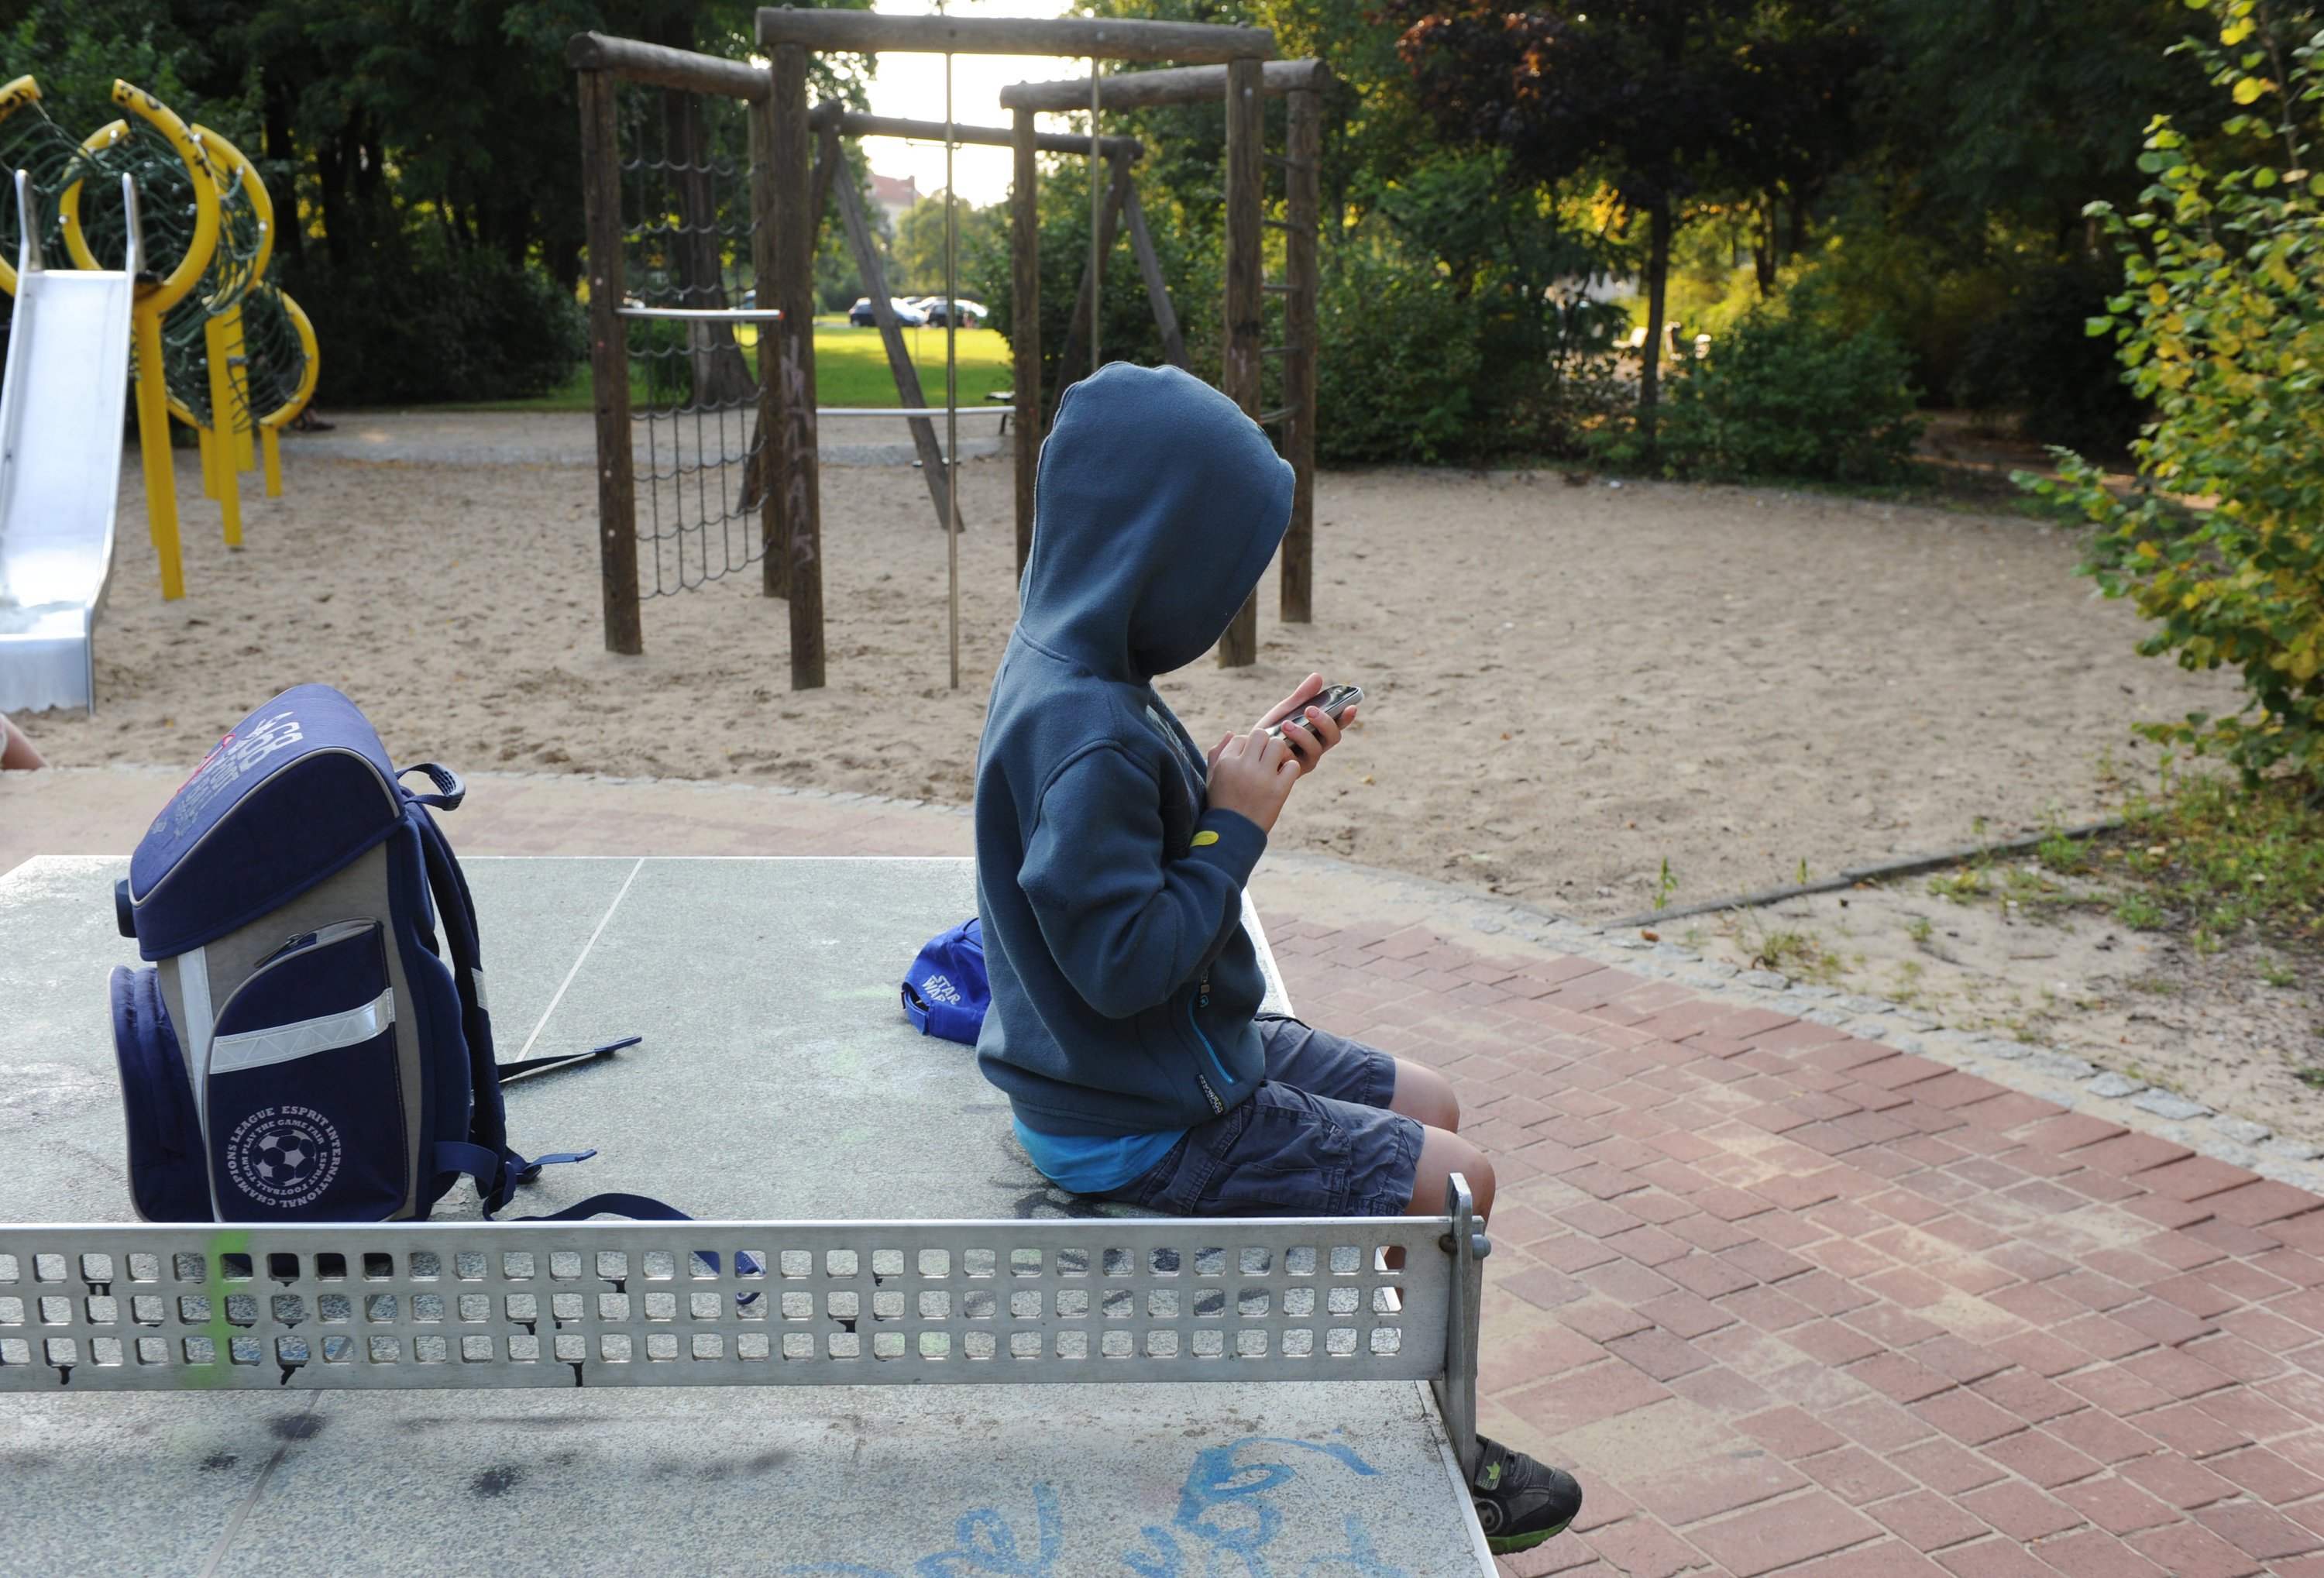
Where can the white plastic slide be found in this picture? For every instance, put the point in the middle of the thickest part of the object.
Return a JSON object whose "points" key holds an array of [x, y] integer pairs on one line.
{"points": [[60, 428]]}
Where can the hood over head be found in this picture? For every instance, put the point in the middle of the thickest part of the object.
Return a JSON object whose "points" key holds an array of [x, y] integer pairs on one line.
{"points": [[1160, 504]]}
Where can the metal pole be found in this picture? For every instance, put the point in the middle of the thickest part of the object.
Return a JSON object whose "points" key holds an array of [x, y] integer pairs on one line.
{"points": [[1097, 261], [951, 383]]}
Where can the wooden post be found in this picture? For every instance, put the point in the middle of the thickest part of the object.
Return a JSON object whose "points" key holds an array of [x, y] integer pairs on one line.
{"points": [[609, 362], [799, 527], [1246, 317], [1157, 291], [775, 566], [1089, 299], [1025, 324], [908, 393], [827, 159], [1302, 152]]}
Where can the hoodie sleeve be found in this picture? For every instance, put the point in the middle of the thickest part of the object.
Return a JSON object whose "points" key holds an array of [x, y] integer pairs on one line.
{"points": [[1127, 926]]}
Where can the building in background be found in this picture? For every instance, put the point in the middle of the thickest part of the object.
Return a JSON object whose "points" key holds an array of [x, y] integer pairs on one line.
{"points": [[895, 198]]}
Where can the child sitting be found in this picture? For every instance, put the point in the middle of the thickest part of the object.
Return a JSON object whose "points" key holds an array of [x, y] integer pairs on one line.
{"points": [[1112, 853]]}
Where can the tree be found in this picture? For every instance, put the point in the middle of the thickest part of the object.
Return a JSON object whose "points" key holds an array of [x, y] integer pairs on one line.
{"points": [[1669, 102], [919, 244], [2012, 114]]}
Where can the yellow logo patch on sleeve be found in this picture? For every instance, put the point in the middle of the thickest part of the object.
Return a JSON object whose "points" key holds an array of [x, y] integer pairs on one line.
{"points": [[1205, 836]]}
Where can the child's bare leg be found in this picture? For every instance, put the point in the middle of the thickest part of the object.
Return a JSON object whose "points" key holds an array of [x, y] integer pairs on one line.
{"points": [[1423, 1093], [16, 750], [1444, 1153]]}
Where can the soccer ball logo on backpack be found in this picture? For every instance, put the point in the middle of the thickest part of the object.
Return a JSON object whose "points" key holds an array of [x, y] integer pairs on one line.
{"points": [[283, 1156]]}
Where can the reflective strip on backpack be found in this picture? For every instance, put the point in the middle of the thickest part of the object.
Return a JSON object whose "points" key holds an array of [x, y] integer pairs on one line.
{"points": [[193, 988], [282, 1043]]}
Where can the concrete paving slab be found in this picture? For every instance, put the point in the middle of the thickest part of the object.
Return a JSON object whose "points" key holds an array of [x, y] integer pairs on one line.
{"points": [[777, 1079]]}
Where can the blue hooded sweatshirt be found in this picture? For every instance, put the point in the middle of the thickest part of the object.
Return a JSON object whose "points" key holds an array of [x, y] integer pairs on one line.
{"points": [[1123, 984]]}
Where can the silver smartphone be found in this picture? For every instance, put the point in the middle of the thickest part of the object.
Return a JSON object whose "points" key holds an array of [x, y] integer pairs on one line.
{"points": [[1335, 700]]}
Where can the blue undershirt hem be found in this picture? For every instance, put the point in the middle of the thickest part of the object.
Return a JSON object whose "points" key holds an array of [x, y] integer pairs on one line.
{"points": [[1093, 1164]]}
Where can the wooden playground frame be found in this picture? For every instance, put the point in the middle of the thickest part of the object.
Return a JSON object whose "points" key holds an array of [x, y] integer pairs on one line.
{"points": [[1302, 83], [794, 153]]}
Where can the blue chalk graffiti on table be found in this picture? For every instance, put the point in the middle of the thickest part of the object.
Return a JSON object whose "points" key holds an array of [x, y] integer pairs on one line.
{"points": [[1224, 1528], [1224, 1513]]}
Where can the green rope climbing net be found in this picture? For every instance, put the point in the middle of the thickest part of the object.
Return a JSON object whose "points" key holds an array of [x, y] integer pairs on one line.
{"points": [[274, 355]]}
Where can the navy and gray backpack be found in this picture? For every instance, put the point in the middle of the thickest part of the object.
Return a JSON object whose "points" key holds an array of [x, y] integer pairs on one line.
{"points": [[306, 1048]]}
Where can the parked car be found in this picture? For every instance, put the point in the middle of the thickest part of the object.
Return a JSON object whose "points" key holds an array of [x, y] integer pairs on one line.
{"points": [[971, 313], [909, 316]]}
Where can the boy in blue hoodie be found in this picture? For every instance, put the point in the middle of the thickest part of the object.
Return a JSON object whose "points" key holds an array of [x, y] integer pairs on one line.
{"points": [[1112, 853]]}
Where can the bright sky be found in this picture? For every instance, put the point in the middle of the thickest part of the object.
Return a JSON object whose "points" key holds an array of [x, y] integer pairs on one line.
{"points": [[912, 86]]}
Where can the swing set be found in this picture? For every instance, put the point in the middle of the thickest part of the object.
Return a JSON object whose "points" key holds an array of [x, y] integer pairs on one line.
{"points": [[732, 475]]}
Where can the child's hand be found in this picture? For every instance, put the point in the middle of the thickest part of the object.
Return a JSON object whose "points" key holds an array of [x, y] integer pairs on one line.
{"points": [[1310, 731], [1252, 775]]}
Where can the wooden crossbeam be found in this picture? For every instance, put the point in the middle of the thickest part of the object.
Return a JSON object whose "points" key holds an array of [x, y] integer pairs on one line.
{"points": [[1145, 89], [852, 123], [862, 32], [659, 66]]}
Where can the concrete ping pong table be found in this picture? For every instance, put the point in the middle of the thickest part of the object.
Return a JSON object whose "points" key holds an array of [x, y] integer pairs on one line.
{"points": [[779, 1095]]}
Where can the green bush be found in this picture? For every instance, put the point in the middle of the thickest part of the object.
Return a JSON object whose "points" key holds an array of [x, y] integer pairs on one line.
{"points": [[1397, 367], [414, 320], [2221, 330], [1410, 370], [1785, 393]]}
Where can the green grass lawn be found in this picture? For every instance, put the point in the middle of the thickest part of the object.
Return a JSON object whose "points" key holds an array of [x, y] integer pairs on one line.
{"points": [[849, 369]]}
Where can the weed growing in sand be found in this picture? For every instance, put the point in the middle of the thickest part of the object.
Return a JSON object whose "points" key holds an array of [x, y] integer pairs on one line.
{"points": [[2066, 856], [1962, 887], [1798, 954], [2032, 893], [2155, 985], [2139, 912], [1920, 929], [1665, 885], [2276, 973]]}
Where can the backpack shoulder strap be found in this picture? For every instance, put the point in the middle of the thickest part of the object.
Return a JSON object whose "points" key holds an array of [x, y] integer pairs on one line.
{"points": [[485, 1156]]}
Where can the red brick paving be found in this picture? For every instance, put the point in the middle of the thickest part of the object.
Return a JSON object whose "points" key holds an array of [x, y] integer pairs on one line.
{"points": [[1796, 1303]]}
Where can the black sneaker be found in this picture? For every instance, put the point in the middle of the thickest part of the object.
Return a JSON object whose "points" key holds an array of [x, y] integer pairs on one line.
{"points": [[1521, 1502]]}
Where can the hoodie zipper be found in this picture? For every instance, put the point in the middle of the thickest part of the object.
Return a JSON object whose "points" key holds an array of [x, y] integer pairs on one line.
{"points": [[1201, 998]]}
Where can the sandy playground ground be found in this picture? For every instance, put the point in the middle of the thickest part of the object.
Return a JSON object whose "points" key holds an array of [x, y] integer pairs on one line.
{"points": [[1568, 686]]}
